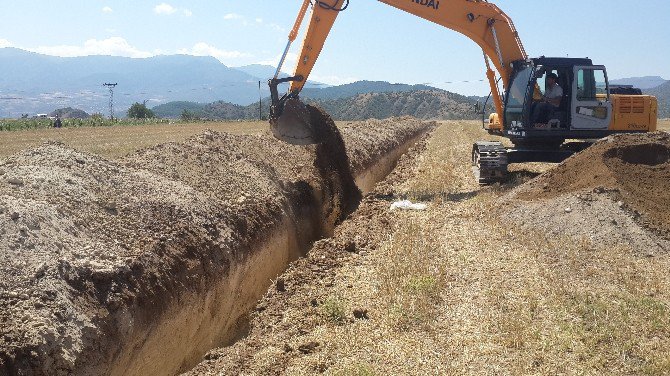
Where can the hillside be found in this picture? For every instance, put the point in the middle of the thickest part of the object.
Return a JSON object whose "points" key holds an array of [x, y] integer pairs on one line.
{"points": [[644, 83], [663, 94], [32, 83], [359, 87], [173, 110], [422, 104]]}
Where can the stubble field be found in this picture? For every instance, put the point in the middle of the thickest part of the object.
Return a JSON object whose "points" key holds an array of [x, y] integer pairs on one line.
{"points": [[482, 282], [117, 141], [464, 287]]}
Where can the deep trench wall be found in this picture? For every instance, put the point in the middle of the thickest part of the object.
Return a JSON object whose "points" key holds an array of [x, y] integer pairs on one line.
{"points": [[139, 259]]}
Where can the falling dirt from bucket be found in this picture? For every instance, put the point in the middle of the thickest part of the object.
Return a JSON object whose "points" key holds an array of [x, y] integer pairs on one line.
{"points": [[332, 162]]}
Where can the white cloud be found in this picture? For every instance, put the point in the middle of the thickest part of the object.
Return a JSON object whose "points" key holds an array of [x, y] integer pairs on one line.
{"points": [[331, 79], [164, 8], [276, 27], [236, 17], [255, 22], [204, 49], [114, 46], [233, 16], [107, 10], [167, 9], [117, 46]]}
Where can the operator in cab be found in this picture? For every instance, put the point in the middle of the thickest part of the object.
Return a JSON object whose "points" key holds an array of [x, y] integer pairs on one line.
{"points": [[549, 103]]}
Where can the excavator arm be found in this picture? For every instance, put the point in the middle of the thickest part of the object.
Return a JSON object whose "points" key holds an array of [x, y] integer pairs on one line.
{"points": [[479, 20]]}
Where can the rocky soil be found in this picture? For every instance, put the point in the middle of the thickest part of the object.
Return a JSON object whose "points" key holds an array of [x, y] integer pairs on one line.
{"points": [[537, 279], [284, 325], [615, 193], [93, 250]]}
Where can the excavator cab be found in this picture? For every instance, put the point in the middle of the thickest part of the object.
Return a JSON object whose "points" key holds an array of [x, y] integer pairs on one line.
{"points": [[584, 106], [587, 111]]}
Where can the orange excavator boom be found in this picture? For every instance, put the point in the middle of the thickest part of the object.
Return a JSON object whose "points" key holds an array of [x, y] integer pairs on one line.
{"points": [[481, 21]]}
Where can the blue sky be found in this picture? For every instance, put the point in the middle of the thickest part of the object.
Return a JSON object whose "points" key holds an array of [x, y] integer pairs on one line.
{"points": [[370, 40]]}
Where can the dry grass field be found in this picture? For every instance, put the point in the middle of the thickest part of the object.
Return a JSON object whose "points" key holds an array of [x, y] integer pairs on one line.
{"points": [[456, 290], [118, 141]]}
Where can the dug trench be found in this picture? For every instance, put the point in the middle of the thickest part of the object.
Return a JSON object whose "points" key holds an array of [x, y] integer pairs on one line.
{"points": [[141, 266], [454, 289]]}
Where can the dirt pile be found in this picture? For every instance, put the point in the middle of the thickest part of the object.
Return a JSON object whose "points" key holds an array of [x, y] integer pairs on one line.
{"points": [[283, 327], [99, 259], [616, 189]]}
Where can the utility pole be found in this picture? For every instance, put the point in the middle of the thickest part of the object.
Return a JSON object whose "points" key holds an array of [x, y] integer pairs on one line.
{"points": [[111, 98], [260, 102]]}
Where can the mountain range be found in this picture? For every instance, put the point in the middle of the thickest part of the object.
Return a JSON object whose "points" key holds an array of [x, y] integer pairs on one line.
{"points": [[644, 83], [663, 94], [431, 103], [652, 85], [32, 83]]}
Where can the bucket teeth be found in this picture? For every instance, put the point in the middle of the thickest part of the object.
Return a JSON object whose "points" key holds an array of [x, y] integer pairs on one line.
{"points": [[294, 125]]}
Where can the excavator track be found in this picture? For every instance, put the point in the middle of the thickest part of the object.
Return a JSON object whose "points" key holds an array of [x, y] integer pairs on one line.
{"points": [[489, 162]]}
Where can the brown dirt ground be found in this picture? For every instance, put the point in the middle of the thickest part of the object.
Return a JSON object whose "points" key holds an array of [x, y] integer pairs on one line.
{"points": [[461, 288], [664, 125], [457, 289], [85, 239], [634, 169], [283, 325], [118, 141]]}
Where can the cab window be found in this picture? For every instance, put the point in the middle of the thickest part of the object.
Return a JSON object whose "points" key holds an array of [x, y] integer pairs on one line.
{"points": [[519, 87], [591, 83], [516, 96], [542, 84]]}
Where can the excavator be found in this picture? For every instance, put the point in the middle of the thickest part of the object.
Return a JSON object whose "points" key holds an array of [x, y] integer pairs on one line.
{"points": [[589, 109]]}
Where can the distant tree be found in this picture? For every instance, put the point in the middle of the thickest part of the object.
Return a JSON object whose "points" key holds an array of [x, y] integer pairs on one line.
{"points": [[140, 111], [187, 115], [70, 113]]}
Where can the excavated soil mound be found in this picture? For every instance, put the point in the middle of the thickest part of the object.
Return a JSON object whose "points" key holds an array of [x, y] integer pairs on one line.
{"points": [[95, 253], [633, 171], [636, 168], [274, 339]]}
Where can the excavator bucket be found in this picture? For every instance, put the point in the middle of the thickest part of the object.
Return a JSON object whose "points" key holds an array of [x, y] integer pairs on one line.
{"points": [[294, 124]]}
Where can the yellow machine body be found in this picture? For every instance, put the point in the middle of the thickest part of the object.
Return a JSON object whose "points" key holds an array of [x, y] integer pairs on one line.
{"points": [[634, 113]]}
